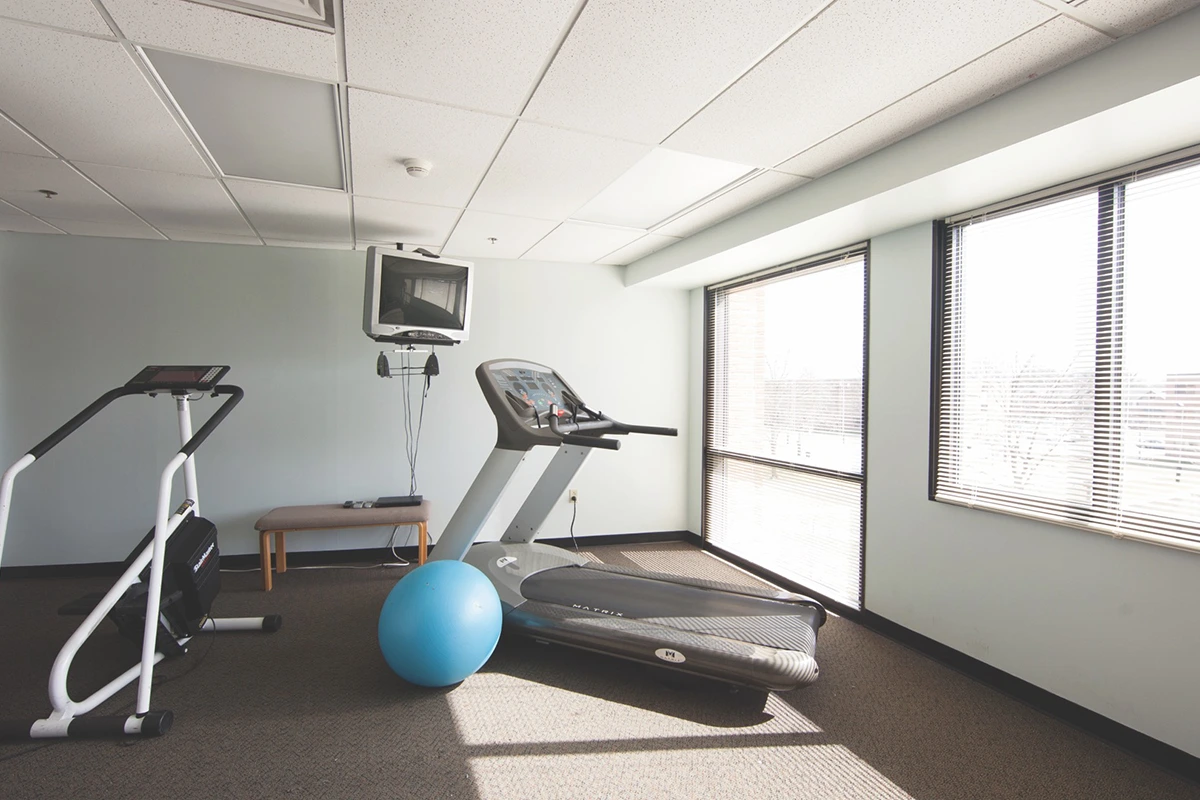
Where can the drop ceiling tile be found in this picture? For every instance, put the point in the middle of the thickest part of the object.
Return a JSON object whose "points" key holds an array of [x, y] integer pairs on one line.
{"points": [[637, 69], [481, 54], [294, 213], [227, 35], [23, 223], [136, 230], [550, 173], [1131, 16], [258, 124], [513, 235], [746, 195], [310, 245], [660, 185], [580, 242], [855, 58], [86, 99], [395, 221], [385, 130], [22, 176], [639, 248], [75, 15], [167, 200], [15, 140], [1038, 52], [180, 235]]}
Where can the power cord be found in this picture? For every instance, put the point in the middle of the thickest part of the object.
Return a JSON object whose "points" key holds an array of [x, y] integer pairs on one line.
{"points": [[574, 510]]}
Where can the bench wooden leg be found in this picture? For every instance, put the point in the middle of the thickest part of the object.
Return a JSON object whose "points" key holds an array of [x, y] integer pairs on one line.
{"points": [[264, 552], [422, 540], [280, 552]]}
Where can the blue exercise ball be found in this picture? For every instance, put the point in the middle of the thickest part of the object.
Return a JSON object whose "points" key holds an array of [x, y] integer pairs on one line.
{"points": [[440, 623]]}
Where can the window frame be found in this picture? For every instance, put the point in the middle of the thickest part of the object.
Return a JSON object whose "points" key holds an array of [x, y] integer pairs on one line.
{"points": [[709, 391], [1109, 188]]}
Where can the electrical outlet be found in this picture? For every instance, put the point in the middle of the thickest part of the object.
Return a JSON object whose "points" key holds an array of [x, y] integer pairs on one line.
{"points": [[572, 496]]}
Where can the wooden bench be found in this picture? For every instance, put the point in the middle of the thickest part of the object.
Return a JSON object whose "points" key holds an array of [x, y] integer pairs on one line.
{"points": [[279, 521]]}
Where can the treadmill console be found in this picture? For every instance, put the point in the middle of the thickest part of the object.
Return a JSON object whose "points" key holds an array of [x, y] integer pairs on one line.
{"points": [[178, 378], [531, 389]]}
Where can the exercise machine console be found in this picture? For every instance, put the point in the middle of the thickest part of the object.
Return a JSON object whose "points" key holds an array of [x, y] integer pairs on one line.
{"points": [[761, 638], [170, 579]]}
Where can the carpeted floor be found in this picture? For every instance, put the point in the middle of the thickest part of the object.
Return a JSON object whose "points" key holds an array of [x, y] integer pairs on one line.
{"points": [[313, 711]]}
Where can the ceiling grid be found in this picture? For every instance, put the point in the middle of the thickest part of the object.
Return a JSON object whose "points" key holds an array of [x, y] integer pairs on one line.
{"points": [[609, 130]]}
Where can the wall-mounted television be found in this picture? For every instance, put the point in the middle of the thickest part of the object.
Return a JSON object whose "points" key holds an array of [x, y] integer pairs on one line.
{"points": [[416, 298]]}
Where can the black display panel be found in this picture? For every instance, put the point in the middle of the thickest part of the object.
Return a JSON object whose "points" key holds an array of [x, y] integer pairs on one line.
{"points": [[422, 295], [197, 377], [539, 389]]}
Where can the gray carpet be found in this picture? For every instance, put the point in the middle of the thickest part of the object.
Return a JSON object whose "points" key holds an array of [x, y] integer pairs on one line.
{"points": [[313, 711]]}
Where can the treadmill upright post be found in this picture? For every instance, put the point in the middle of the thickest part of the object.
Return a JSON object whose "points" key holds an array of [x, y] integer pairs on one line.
{"points": [[554, 480], [477, 505]]}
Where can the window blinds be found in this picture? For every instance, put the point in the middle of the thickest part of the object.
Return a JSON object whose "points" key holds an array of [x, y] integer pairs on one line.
{"points": [[1069, 371], [784, 423]]}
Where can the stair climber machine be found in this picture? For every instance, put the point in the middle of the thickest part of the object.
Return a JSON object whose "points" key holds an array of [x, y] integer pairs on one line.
{"points": [[170, 578], [763, 639]]}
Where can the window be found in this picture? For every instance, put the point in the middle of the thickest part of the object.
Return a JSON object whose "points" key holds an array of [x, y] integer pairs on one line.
{"points": [[1069, 365], [783, 459]]}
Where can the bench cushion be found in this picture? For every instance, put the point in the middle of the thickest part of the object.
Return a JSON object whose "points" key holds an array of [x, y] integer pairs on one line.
{"points": [[286, 518]]}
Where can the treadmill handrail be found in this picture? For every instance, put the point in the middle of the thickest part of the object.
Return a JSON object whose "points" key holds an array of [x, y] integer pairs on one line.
{"points": [[562, 431]]}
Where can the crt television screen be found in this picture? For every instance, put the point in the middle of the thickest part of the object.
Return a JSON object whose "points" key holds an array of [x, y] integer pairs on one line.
{"points": [[422, 295]]}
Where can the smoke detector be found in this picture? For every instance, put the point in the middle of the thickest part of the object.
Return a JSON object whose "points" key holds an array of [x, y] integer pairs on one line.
{"points": [[417, 167]]}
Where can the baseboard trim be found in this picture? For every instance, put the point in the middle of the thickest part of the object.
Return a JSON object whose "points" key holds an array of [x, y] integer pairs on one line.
{"points": [[322, 558], [1162, 755]]}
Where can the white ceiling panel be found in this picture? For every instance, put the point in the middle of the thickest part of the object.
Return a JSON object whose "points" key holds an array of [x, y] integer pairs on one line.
{"points": [[639, 248], [659, 186], [180, 235], [258, 124], [294, 213], [15, 140], [741, 197], [581, 242], [482, 54], [513, 235], [21, 178], [636, 69], [1038, 52], [134, 230], [87, 99], [395, 221], [310, 245], [385, 130], [168, 200], [23, 223], [550, 173], [853, 59], [227, 35], [75, 15], [1131, 16]]}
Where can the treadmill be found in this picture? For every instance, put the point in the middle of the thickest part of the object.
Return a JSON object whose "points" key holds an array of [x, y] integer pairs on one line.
{"points": [[760, 638]]}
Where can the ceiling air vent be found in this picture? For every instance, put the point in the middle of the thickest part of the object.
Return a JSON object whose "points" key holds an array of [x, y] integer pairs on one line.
{"points": [[317, 14]]}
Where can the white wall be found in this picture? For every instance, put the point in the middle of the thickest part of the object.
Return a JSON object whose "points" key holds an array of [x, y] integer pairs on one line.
{"points": [[81, 315], [1107, 624]]}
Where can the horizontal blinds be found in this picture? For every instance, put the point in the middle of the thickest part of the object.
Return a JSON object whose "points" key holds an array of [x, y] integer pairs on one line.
{"points": [[802, 526], [1069, 384], [784, 423], [787, 368]]}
